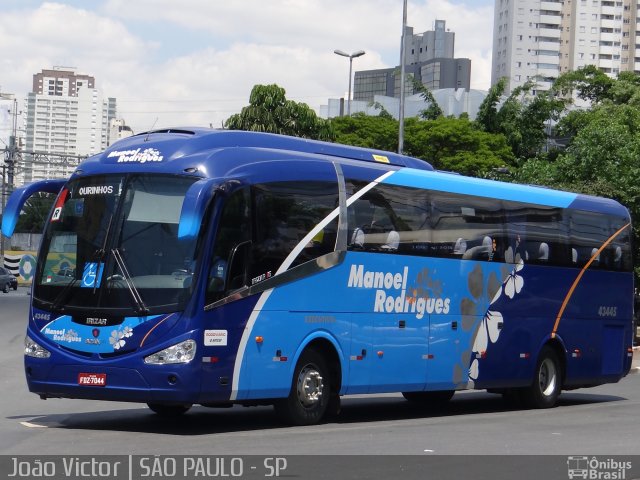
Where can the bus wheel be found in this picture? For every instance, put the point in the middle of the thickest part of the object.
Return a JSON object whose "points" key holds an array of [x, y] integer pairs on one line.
{"points": [[433, 399], [168, 411], [310, 391], [547, 382]]}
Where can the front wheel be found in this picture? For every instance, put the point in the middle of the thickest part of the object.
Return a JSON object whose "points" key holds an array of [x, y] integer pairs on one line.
{"points": [[310, 391], [547, 381], [168, 411]]}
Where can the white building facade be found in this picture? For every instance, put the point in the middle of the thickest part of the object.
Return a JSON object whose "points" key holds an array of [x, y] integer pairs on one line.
{"points": [[540, 39], [453, 102], [69, 119]]}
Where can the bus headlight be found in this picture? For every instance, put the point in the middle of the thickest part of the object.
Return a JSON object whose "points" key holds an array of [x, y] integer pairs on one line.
{"points": [[32, 349], [183, 352]]}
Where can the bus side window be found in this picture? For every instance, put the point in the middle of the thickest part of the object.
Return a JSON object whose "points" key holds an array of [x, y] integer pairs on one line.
{"points": [[467, 227], [285, 214], [227, 270], [589, 231], [391, 219]]}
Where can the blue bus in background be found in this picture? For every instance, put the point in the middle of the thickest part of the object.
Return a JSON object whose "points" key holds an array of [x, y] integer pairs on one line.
{"points": [[213, 267]]}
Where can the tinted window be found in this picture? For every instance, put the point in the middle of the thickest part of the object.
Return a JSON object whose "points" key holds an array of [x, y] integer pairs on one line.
{"points": [[390, 219], [589, 232], [228, 269], [537, 235], [467, 227], [285, 212]]}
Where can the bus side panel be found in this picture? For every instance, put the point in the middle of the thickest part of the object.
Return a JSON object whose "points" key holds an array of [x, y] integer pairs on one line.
{"points": [[596, 328], [389, 311], [356, 377], [218, 357], [449, 352], [274, 343], [594, 338]]}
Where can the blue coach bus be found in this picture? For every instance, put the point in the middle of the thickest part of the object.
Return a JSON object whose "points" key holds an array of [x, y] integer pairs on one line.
{"points": [[195, 266]]}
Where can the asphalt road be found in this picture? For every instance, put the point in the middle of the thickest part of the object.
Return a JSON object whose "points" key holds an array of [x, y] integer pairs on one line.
{"points": [[599, 421]]}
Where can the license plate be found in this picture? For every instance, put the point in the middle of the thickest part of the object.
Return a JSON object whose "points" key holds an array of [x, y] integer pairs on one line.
{"points": [[92, 379]]}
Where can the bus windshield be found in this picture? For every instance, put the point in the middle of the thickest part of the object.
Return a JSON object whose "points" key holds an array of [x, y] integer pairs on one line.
{"points": [[112, 243]]}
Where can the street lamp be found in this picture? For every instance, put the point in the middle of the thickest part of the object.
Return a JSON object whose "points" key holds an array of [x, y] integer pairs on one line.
{"points": [[359, 53]]}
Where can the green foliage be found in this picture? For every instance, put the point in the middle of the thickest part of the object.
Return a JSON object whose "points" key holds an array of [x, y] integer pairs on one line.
{"points": [[522, 118], [456, 145], [361, 130], [589, 83], [433, 110], [447, 143], [487, 117], [602, 159], [383, 111], [270, 111]]}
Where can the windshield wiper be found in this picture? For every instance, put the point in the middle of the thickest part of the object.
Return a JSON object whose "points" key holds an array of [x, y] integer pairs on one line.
{"points": [[100, 254], [135, 295], [56, 305]]}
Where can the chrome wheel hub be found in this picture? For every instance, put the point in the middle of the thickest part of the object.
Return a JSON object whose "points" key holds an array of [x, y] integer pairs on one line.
{"points": [[310, 386]]}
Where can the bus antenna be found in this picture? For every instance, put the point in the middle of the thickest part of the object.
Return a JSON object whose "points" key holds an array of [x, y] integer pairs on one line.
{"points": [[146, 139]]}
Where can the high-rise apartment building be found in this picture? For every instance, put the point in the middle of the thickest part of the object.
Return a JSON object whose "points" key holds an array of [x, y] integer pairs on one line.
{"points": [[540, 39], [428, 59], [66, 118]]}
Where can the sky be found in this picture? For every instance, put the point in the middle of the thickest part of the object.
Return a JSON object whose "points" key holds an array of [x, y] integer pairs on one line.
{"points": [[194, 62]]}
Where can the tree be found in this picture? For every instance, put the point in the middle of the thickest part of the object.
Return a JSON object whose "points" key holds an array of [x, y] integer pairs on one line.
{"points": [[589, 82], [522, 118], [602, 160], [457, 145], [270, 111], [433, 110], [487, 117], [361, 130]]}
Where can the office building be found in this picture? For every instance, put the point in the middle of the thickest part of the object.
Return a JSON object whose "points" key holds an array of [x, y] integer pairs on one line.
{"points": [[429, 60]]}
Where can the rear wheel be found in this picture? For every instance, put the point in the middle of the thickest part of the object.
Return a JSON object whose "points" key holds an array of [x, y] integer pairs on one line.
{"points": [[432, 399], [547, 381], [5, 289], [310, 391], [168, 411]]}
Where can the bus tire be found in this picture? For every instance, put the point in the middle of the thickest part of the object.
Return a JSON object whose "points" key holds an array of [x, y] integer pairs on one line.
{"points": [[433, 399], [547, 381], [310, 392], [168, 411]]}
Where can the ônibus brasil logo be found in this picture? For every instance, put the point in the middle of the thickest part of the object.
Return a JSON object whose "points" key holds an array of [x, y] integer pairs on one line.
{"points": [[593, 468]]}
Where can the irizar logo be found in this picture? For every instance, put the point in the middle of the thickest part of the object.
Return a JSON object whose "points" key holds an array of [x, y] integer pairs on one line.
{"points": [[391, 293], [137, 156]]}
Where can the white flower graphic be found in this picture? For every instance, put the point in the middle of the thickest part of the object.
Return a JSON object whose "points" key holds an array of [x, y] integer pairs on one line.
{"points": [[473, 372], [116, 340], [514, 282], [127, 332], [489, 329]]}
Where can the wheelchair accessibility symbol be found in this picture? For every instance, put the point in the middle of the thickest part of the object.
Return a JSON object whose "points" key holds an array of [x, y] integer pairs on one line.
{"points": [[92, 275]]}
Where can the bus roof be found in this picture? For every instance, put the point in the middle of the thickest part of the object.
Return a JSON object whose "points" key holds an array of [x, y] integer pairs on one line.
{"points": [[169, 146], [217, 153]]}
